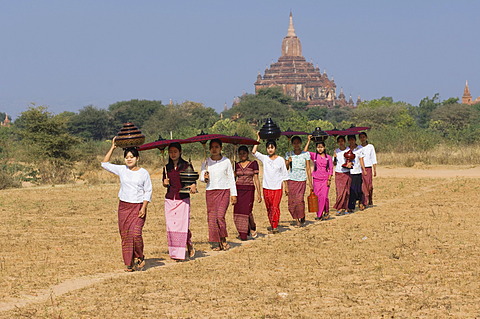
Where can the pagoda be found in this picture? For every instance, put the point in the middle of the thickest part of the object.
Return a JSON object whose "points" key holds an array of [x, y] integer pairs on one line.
{"points": [[6, 122], [300, 79], [467, 97]]}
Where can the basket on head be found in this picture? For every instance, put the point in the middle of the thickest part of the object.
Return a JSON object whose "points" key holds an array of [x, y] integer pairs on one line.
{"points": [[129, 136]]}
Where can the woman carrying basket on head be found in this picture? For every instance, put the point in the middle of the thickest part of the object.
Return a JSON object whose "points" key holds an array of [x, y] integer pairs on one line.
{"points": [[135, 194]]}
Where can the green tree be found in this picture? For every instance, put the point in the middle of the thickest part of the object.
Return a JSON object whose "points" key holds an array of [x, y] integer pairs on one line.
{"points": [[276, 94], [92, 123], [135, 111], [47, 143], [184, 119], [316, 113], [255, 109]]}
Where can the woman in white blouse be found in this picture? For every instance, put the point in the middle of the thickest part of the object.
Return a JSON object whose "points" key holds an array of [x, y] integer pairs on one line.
{"points": [[217, 172], [275, 176], [135, 194], [370, 161]]}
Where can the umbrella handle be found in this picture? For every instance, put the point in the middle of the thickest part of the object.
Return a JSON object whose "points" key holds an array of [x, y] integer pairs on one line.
{"points": [[205, 150]]}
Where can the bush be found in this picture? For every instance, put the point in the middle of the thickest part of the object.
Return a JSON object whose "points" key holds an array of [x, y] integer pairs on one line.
{"points": [[8, 181]]}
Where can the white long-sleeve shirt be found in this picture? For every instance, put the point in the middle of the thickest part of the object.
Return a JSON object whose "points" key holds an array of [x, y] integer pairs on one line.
{"points": [[274, 171], [135, 186], [220, 175], [341, 160], [357, 167], [370, 155]]}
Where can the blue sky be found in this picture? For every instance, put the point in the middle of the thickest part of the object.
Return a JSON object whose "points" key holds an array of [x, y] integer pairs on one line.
{"points": [[69, 54]]}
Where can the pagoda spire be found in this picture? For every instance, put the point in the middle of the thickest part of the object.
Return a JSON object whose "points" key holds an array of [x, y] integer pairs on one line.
{"points": [[466, 90], [291, 45], [467, 97], [291, 28]]}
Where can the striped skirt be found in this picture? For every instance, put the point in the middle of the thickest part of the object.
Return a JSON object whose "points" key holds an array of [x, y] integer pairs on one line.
{"points": [[296, 198], [130, 227], [342, 186], [217, 205], [177, 220], [367, 187], [242, 211]]}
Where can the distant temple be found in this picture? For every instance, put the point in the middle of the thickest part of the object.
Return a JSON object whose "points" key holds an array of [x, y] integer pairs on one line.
{"points": [[467, 97], [5, 122], [299, 78]]}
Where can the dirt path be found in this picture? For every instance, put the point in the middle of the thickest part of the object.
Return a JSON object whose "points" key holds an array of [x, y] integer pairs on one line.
{"points": [[154, 265]]}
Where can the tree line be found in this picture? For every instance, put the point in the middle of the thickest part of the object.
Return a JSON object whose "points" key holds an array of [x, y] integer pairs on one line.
{"points": [[44, 146]]}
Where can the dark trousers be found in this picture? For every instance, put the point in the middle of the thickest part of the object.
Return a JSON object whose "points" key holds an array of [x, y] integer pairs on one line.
{"points": [[355, 190]]}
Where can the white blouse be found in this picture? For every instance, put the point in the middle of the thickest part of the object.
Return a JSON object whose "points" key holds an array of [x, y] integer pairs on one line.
{"points": [[221, 175], [274, 171], [341, 160], [135, 186], [370, 156], [357, 167]]}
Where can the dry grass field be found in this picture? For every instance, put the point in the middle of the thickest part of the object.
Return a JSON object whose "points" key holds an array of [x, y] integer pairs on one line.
{"points": [[415, 254]]}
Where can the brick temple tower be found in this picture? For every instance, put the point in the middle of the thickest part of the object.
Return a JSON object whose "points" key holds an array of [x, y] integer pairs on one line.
{"points": [[467, 97], [6, 122], [299, 78]]}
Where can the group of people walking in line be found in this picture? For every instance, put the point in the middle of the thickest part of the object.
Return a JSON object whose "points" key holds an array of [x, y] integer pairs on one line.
{"points": [[240, 187]]}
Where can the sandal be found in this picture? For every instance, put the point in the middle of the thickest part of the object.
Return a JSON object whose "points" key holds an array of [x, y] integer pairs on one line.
{"points": [[218, 248], [191, 251], [129, 269], [225, 246], [139, 263], [253, 234]]}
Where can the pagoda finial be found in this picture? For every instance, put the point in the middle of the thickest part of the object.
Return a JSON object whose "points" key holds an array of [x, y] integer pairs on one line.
{"points": [[466, 90], [291, 28]]}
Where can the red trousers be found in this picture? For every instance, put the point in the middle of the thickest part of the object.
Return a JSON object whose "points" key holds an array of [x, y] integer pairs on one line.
{"points": [[272, 199]]}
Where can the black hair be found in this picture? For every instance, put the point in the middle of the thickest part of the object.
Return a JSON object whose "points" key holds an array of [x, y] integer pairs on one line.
{"points": [[352, 136], [177, 145], [326, 156], [364, 133], [132, 150], [215, 140], [341, 137], [296, 138], [271, 142], [243, 148], [182, 164]]}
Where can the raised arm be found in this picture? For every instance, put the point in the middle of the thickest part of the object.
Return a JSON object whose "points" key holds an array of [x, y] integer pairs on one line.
{"points": [[110, 152], [308, 143], [255, 147]]}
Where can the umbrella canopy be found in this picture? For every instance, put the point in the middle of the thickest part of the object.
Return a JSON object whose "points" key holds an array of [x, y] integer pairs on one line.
{"points": [[161, 144], [203, 138], [235, 139], [336, 132], [289, 133]]}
